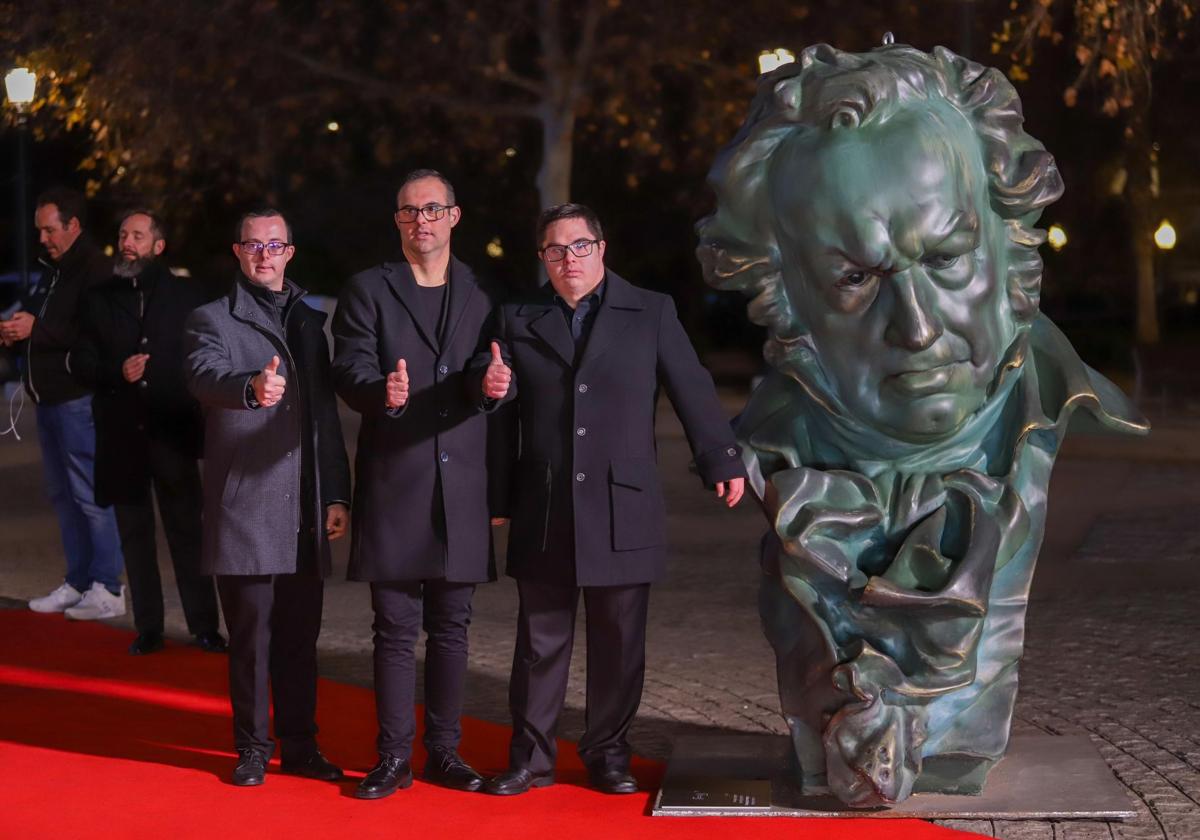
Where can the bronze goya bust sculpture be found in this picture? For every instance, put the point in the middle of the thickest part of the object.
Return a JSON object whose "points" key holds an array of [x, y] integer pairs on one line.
{"points": [[879, 208]]}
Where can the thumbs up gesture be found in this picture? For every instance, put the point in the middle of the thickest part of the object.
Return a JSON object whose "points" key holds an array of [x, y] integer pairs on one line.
{"points": [[269, 385], [397, 386], [498, 377]]}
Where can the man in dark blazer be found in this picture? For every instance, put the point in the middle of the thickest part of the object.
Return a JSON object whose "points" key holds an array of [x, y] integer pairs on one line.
{"points": [[585, 358], [404, 333], [148, 427], [276, 490]]}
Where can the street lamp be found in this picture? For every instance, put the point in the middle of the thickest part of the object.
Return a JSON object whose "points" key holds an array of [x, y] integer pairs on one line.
{"points": [[1165, 237], [769, 60], [19, 84]]}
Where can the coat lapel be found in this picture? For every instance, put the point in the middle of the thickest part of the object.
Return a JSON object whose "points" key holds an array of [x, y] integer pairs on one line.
{"points": [[462, 286], [550, 326], [400, 278], [617, 311]]}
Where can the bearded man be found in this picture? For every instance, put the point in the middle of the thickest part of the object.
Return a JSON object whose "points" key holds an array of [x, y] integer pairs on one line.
{"points": [[149, 430]]}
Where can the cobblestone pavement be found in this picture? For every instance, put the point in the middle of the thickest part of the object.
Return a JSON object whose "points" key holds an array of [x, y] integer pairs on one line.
{"points": [[1113, 647]]}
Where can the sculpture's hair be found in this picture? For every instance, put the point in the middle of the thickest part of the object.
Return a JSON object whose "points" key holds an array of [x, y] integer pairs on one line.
{"points": [[827, 89]]}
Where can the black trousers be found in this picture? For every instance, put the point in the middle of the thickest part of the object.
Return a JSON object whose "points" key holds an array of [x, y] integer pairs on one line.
{"points": [[401, 610], [273, 623], [615, 622], [175, 479]]}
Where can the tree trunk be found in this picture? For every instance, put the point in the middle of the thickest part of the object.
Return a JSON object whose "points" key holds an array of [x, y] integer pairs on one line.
{"points": [[554, 175], [1141, 211]]}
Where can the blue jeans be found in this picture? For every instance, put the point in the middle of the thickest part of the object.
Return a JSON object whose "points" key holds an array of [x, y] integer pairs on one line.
{"points": [[67, 435]]}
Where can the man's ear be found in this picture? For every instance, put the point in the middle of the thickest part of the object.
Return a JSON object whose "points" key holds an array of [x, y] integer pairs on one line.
{"points": [[159, 246]]}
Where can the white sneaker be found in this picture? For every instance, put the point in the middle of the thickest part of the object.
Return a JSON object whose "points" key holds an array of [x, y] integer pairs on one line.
{"points": [[58, 600], [96, 603]]}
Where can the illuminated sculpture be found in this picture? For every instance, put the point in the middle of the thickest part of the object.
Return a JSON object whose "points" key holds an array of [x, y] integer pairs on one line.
{"points": [[879, 208]]}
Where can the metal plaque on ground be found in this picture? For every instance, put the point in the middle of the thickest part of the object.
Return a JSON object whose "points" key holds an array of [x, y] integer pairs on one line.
{"points": [[1042, 777]]}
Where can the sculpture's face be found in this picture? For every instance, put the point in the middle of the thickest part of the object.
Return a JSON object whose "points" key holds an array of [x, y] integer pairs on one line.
{"points": [[896, 265]]}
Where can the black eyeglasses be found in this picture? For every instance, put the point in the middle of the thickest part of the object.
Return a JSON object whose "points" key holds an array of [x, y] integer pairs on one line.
{"points": [[431, 212], [274, 247], [580, 248]]}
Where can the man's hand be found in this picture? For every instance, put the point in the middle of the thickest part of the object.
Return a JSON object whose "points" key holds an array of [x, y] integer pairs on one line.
{"points": [[337, 519], [17, 328], [498, 376], [731, 491], [134, 367], [269, 385], [499, 520], [397, 386]]}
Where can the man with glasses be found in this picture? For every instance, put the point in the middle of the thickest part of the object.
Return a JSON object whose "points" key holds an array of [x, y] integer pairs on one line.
{"points": [[584, 359], [404, 332], [148, 427], [276, 490]]}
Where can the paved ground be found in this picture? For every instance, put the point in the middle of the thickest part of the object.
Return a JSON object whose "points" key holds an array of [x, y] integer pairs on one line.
{"points": [[1113, 634]]}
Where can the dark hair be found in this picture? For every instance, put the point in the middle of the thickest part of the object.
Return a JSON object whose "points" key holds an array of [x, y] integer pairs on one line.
{"points": [[156, 223], [420, 174], [568, 211], [261, 213], [70, 204]]}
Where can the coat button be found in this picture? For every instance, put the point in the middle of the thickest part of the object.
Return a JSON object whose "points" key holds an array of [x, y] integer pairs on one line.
{"points": [[289, 453], [580, 476], [445, 412], [731, 451], [581, 431], [583, 389], [142, 383], [287, 496], [144, 340], [443, 370], [444, 457]]}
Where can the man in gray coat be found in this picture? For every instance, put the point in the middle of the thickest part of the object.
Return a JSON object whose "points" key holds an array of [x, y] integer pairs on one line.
{"points": [[276, 485]]}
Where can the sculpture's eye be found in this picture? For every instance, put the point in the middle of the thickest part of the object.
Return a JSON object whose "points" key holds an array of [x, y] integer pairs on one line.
{"points": [[939, 262], [845, 117], [854, 279]]}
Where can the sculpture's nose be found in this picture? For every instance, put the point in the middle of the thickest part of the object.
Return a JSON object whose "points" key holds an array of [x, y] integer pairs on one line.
{"points": [[912, 322]]}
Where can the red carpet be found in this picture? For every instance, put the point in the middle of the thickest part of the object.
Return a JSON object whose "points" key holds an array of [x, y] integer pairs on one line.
{"points": [[96, 743]]}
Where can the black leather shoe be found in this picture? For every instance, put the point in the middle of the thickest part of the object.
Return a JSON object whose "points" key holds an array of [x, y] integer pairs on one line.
{"points": [[211, 642], [385, 778], [146, 643], [445, 767], [517, 780], [251, 768], [612, 781], [312, 766]]}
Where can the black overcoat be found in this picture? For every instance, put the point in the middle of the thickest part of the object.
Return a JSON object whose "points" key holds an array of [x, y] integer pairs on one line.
{"points": [[587, 504], [253, 457], [113, 327], [431, 456]]}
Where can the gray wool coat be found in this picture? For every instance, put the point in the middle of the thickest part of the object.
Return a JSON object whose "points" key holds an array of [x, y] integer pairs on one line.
{"points": [[253, 457]]}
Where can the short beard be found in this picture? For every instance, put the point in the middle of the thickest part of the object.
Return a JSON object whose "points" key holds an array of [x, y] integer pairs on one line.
{"points": [[131, 268]]}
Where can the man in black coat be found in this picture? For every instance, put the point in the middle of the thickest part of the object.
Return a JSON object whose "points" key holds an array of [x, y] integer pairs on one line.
{"points": [[276, 490], [585, 358], [45, 331], [404, 334], [148, 427]]}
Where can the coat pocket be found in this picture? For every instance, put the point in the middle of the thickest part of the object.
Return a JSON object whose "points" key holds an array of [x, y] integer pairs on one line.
{"points": [[638, 511]]}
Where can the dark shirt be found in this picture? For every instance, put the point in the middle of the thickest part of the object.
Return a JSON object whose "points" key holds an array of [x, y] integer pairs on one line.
{"points": [[433, 300], [581, 318]]}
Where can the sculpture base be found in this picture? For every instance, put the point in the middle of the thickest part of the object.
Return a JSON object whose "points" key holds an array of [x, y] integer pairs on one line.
{"points": [[1041, 777]]}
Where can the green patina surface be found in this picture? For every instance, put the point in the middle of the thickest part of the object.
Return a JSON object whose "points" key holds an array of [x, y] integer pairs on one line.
{"points": [[879, 208]]}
